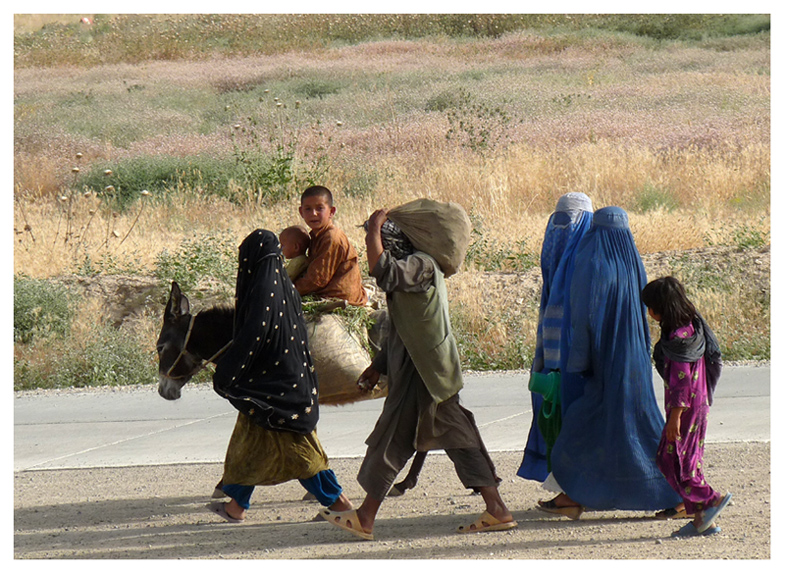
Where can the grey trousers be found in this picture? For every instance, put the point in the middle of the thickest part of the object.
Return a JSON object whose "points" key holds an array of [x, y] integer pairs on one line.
{"points": [[393, 441]]}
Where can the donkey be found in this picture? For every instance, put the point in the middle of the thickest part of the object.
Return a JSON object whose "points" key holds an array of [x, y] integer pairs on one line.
{"points": [[188, 343]]}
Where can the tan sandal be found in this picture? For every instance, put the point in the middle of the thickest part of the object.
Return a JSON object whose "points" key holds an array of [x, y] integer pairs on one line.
{"points": [[346, 520], [220, 509], [486, 523], [571, 512]]}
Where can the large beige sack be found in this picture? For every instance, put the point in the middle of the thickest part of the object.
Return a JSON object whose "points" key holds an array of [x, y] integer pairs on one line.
{"points": [[339, 359], [442, 230]]}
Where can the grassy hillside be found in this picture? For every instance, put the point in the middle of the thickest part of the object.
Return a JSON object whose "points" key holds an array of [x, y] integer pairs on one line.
{"points": [[151, 145], [47, 40]]}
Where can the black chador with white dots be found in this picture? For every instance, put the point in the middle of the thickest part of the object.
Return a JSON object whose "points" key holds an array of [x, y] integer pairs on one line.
{"points": [[267, 373]]}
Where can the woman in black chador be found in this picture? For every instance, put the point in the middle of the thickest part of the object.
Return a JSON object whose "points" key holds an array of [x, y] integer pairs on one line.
{"points": [[267, 374]]}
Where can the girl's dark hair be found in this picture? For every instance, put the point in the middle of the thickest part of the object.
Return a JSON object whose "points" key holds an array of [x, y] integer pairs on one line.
{"points": [[667, 298]]}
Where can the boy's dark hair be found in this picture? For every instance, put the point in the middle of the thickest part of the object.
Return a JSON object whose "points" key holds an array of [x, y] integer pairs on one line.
{"points": [[668, 299], [320, 191]]}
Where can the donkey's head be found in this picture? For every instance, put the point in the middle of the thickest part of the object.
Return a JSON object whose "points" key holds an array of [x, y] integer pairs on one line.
{"points": [[176, 365]]}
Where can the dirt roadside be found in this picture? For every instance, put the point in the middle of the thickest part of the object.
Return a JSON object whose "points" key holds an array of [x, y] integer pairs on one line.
{"points": [[159, 512]]}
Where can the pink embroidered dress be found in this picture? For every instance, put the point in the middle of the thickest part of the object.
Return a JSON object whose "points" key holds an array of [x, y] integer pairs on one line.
{"points": [[681, 461]]}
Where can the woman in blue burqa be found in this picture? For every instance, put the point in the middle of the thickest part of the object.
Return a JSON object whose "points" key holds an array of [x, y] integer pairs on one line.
{"points": [[566, 226], [604, 456], [268, 376]]}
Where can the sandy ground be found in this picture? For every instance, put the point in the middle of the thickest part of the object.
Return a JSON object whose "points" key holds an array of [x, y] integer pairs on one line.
{"points": [[159, 512]]}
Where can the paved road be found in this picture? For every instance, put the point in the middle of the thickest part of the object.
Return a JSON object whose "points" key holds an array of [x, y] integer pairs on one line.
{"points": [[129, 427]]}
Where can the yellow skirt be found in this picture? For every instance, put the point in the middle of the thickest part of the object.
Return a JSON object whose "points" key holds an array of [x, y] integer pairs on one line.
{"points": [[257, 456]]}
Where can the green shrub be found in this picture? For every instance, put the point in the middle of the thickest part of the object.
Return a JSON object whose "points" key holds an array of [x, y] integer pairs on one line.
{"points": [[686, 26], [362, 181], [702, 276], [476, 355], [105, 263], [158, 174], [270, 159], [652, 198], [317, 88], [41, 308], [487, 254], [747, 237], [745, 345], [205, 257], [270, 175], [107, 356], [741, 24], [442, 101], [478, 125]]}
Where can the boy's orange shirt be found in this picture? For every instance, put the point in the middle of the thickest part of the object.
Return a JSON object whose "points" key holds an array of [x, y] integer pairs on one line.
{"points": [[333, 270]]}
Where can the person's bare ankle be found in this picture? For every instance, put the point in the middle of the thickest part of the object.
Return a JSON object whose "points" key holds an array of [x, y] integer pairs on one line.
{"points": [[234, 514], [562, 499], [366, 522], [698, 520], [500, 513], [342, 504], [235, 510]]}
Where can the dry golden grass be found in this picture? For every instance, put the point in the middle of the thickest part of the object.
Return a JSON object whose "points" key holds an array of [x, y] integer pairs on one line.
{"points": [[700, 192], [508, 198], [678, 134], [507, 216]]}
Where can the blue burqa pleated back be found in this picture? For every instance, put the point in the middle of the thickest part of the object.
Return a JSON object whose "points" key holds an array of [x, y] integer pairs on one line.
{"points": [[604, 456], [566, 226]]}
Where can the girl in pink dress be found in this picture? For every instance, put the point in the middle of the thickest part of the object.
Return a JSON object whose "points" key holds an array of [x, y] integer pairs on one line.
{"points": [[681, 356]]}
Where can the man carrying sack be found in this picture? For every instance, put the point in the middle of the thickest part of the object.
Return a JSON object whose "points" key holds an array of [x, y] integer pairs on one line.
{"points": [[422, 411]]}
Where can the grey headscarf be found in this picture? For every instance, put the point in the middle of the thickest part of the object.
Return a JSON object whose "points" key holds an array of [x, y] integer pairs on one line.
{"points": [[573, 204], [394, 240]]}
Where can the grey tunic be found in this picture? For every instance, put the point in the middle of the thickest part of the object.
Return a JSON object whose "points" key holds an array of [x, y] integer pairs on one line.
{"points": [[411, 420]]}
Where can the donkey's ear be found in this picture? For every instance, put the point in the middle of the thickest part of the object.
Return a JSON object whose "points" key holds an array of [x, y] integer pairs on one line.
{"points": [[185, 305], [178, 303]]}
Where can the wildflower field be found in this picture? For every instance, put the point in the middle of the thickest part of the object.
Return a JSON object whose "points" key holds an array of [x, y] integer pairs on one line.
{"points": [[149, 146]]}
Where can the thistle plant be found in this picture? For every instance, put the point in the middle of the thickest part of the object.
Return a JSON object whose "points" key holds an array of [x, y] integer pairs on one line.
{"points": [[477, 125], [77, 213], [279, 151]]}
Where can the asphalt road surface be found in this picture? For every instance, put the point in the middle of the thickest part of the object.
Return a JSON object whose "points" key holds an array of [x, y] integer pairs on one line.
{"points": [[135, 426]]}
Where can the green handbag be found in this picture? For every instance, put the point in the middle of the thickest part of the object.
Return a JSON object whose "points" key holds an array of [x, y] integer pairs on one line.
{"points": [[549, 418], [549, 386]]}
